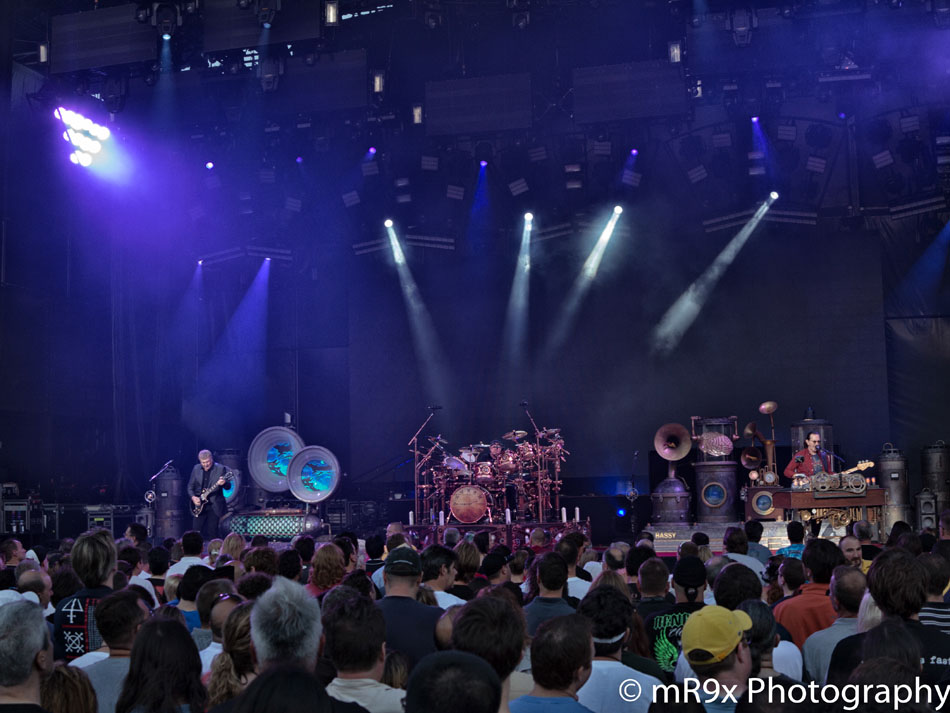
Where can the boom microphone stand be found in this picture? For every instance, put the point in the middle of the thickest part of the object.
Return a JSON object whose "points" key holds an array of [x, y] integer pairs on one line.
{"points": [[414, 442]]}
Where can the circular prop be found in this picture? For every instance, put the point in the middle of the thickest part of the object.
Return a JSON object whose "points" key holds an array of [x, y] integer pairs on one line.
{"points": [[762, 504], [269, 457], [714, 495], [232, 488], [469, 504], [314, 474]]}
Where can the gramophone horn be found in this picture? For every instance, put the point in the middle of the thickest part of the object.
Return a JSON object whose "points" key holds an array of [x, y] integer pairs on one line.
{"points": [[672, 441], [750, 430], [751, 458], [768, 407]]}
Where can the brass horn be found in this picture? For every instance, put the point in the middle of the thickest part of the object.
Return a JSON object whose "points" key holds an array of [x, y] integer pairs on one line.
{"points": [[751, 458], [752, 431], [672, 442]]}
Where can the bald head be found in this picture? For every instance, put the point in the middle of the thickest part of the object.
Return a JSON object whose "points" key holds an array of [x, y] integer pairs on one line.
{"points": [[219, 615], [39, 582], [847, 589]]}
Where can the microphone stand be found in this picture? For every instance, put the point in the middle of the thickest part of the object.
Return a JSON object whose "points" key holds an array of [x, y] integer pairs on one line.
{"points": [[414, 442]]}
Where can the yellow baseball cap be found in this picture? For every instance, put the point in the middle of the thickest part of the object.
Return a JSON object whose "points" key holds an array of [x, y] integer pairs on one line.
{"points": [[715, 630]]}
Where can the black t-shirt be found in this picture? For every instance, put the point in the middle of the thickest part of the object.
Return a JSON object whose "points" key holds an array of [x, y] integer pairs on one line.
{"points": [[584, 574], [934, 654], [21, 708], [869, 552], [410, 626], [664, 630]]}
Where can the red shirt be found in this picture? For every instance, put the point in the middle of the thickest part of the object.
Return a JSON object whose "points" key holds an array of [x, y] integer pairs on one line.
{"points": [[806, 613], [805, 467]]}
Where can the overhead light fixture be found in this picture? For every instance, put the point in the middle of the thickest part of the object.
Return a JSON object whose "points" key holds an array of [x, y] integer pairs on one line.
{"points": [[166, 18], [417, 114], [674, 51], [379, 82]]}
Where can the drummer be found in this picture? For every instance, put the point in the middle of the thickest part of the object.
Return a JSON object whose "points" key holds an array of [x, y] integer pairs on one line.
{"points": [[495, 449]]}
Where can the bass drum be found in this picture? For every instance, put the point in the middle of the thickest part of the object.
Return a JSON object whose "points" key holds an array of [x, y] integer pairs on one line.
{"points": [[469, 504]]}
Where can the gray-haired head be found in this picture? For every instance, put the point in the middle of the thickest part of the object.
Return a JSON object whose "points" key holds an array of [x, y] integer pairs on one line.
{"points": [[204, 455], [24, 635], [285, 625]]}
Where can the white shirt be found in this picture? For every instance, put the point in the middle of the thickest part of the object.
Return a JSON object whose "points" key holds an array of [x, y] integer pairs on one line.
{"points": [[207, 655], [374, 696], [447, 600], [601, 693], [182, 565], [594, 568], [786, 658], [141, 579], [577, 587], [89, 659], [749, 561]]}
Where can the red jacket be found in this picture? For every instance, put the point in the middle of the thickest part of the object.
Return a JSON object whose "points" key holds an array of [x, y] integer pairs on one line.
{"points": [[807, 612], [804, 468]]}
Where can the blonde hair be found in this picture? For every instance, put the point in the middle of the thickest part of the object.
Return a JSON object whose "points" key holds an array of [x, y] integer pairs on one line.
{"points": [[327, 567], [171, 587], [233, 545], [869, 614], [231, 669], [610, 578]]}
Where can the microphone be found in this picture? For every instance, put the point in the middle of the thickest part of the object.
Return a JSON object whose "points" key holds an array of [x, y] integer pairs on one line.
{"points": [[523, 404], [434, 408]]}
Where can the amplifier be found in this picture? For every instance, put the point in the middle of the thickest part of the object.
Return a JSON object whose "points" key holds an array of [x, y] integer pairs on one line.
{"points": [[99, 516], [63, 520], [16, 517]]}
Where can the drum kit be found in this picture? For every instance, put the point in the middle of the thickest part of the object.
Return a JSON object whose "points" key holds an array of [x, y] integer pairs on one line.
{"points": [[484, 480]]}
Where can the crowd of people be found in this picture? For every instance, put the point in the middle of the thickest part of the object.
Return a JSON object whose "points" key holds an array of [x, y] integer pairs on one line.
{"points": [[466, 625]]}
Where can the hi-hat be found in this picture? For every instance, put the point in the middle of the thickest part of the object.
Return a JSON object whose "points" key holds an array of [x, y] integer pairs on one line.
{"points": [[515, 435], [767, 407], [438, 441], [551, 433]]}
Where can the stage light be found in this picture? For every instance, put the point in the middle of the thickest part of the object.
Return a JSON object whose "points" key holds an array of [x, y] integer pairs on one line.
{"points": [[201, 262], [528, 217], [773, 195], [388, 223], [621, 512], [633, 152], [372, 150], [266, 259], [209, 165], [299, 159], [331, 13], [755, 120], [74, 158], [166, 37], [483, 163], [618, 210]]}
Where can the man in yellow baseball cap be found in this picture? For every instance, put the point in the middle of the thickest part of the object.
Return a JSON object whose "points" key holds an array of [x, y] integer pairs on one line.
{"points": [[715, 644]]}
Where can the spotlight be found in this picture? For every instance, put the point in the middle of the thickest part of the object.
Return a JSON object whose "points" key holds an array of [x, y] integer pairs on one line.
{"points": [[266, 259], [483, 163], [209, 165], [773, 195], [388, 223], [528, 217], [618, 210], [372, 150], [299, 159], [201, 262], [621, 512], [755, 120], [331, 13], [633, 152], [166, 36]]}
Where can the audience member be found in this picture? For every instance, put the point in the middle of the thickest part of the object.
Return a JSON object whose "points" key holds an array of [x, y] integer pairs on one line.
{"points": [[259, 541], [158, 563], [261, 559], [188, 589], [665, 627], [538, 541], [75, 631], [218, 600], [811, 610], [862, 530], [26, 656], [233, 669], [466, 565], [40, 583], [753, 532], [898, 529], [119, 617], [582, 543], [551, 577], [326, 569], [935, 612], [191, 546], [453, 681], [164, 671], [791, 577], [451, 537], [375, 546], [653, 581], [438, 572], [252, 586], [561, 662], [396, 669], [796, 538], [65, 690], [12, 552], [410, 626], [736, 546], [636, 557], [355, 631], [847, 589], [576, 587], [610, 613], [493, 628], [289, 689], [763, 638], [850, 547], [289, 565], [716, 646]]}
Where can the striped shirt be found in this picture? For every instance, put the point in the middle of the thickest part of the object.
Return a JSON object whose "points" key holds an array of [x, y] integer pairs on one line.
{"points": [[936, 614]]}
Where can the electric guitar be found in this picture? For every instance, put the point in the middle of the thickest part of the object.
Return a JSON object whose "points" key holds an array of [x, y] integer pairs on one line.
{"points": [[208, 492]]}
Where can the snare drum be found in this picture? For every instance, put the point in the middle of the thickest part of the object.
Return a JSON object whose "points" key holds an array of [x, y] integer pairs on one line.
{"points": [[507, 462], [469, 503]]}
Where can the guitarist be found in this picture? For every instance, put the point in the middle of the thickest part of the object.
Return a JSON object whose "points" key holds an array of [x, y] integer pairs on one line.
{"points": [[811, 459], [204, 475]]}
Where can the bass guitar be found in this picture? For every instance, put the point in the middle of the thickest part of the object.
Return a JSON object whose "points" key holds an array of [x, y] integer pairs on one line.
{"points": [[208, 492]]}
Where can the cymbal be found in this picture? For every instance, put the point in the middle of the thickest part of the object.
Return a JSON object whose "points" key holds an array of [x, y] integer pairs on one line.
{"points": [[515, 435], [551, 433], [768, 407], [483, 446], [438, 441]]}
